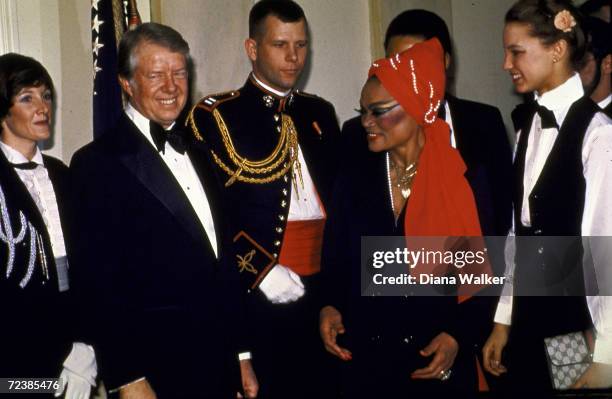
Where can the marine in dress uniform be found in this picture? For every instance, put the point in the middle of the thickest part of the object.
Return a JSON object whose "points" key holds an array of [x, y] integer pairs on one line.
{"points": [[276, 156]]}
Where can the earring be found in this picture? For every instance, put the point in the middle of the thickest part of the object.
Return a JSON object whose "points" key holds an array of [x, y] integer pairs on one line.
{"points": [[555, 60]]}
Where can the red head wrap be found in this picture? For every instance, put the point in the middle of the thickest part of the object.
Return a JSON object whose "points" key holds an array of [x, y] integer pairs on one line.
{"points": [[442, 202]]}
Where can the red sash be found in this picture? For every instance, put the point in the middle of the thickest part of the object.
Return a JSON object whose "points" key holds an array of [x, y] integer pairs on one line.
{"points": [[301, 250]]}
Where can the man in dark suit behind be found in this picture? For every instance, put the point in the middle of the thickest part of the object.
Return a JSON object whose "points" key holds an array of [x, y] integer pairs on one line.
{"points": [[478, 132], [153, 240]]}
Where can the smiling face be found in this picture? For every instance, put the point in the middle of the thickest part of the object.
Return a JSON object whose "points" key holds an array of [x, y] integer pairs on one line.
{"points": [[530, 63], [159, 85], [29, 118], [278, 56], [386, 123]]}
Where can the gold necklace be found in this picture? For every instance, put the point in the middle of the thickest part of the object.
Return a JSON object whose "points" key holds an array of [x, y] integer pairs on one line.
{"points": [[403, 177]]}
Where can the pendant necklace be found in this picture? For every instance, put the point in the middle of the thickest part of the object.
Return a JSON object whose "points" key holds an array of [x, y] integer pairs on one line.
{"points": [[404, 178]]}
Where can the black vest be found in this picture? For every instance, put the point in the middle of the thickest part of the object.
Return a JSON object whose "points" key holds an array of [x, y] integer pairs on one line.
{"points": [[549, 253]]}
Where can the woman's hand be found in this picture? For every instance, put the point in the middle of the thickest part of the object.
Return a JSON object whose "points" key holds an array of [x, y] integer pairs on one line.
{"points": [[493, 348], [598, 375], [330, 325], [444, 349]]}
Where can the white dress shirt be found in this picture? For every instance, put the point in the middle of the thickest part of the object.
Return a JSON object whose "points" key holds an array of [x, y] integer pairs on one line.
{"points": [[41, 190], [183, 171], [448, 118], [596, 218]]}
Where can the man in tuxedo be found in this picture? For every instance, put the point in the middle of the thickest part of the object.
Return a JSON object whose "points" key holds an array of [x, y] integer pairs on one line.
{"points": [[152, 238], [274, 149], [478, 133]]}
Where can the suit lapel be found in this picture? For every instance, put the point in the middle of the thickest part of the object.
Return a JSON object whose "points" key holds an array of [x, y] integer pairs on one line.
{"points": [[459, 126], [146, 165], [203, 167]]}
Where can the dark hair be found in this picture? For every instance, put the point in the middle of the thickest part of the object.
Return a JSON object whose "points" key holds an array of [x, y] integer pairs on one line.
{"points": [[285, 10], [540, 16], [149, 32], [17, 72], [599, 33], [420, 23]]}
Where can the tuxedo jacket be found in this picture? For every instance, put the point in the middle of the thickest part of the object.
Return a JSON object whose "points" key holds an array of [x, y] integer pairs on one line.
{"points": [[168, 307], [253, 119], [37, 328]]}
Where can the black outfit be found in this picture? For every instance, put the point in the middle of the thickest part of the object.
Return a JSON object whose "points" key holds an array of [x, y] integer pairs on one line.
{"points": [[285, 342], [552, 266], [169, 309], [483, 144], [37, 331], [384, 334]]}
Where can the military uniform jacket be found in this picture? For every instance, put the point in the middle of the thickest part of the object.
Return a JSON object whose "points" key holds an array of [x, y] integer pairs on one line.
{"points": [[253, 119], [36, 336]]}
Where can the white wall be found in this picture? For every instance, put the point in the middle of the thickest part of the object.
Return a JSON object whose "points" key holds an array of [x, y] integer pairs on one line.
{"points": [[58, 33]]}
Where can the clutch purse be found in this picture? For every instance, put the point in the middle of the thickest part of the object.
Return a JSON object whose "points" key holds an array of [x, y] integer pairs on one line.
{"points": [[568, 358]]}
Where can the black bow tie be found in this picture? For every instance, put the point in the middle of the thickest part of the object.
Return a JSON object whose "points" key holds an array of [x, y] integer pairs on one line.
{"points": [[26, 165], [175, 137], [548, 118]]}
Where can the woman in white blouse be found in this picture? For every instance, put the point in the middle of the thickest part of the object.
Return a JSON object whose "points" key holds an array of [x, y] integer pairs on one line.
{"points": [[562, 162], [38, 322]]}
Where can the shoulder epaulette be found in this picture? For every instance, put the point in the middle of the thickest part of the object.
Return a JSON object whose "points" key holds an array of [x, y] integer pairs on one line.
{"points": [[311, 96], [212, 101]]}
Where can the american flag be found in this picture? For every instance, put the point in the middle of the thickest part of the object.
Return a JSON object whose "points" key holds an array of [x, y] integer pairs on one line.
{"points": [[108, 23], [107, 103]]}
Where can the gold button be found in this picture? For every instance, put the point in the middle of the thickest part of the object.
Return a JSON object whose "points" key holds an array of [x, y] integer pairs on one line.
{"points": [[279, 229], [276, 117], [281, 217], [285, 191], [276, 243], [283, 203]]}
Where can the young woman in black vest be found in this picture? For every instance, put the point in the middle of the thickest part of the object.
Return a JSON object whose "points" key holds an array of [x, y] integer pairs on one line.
{"points": [[562, 162]]}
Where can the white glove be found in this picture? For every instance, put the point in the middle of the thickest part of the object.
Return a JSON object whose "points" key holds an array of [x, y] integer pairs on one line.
{"points": [[282, 285], [79, 373]]}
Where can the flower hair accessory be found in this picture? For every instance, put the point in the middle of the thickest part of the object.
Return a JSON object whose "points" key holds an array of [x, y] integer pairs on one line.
{"points": [[564, 21]]}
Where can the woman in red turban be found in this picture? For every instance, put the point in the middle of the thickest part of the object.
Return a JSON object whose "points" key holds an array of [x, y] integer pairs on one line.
{"points": [[410, 183]]}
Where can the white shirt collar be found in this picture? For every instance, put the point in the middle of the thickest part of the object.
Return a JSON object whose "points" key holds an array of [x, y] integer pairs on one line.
{"points": [[270, 89], [604, 103], [563, 95], [141, 122], [14, 156]]}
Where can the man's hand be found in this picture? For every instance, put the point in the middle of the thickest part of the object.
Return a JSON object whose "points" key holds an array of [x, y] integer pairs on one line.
{"points": [[250, 386], [282, 285], [444, 349], [493, 348], [330, 325], [137, 390], [598, 375]]}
